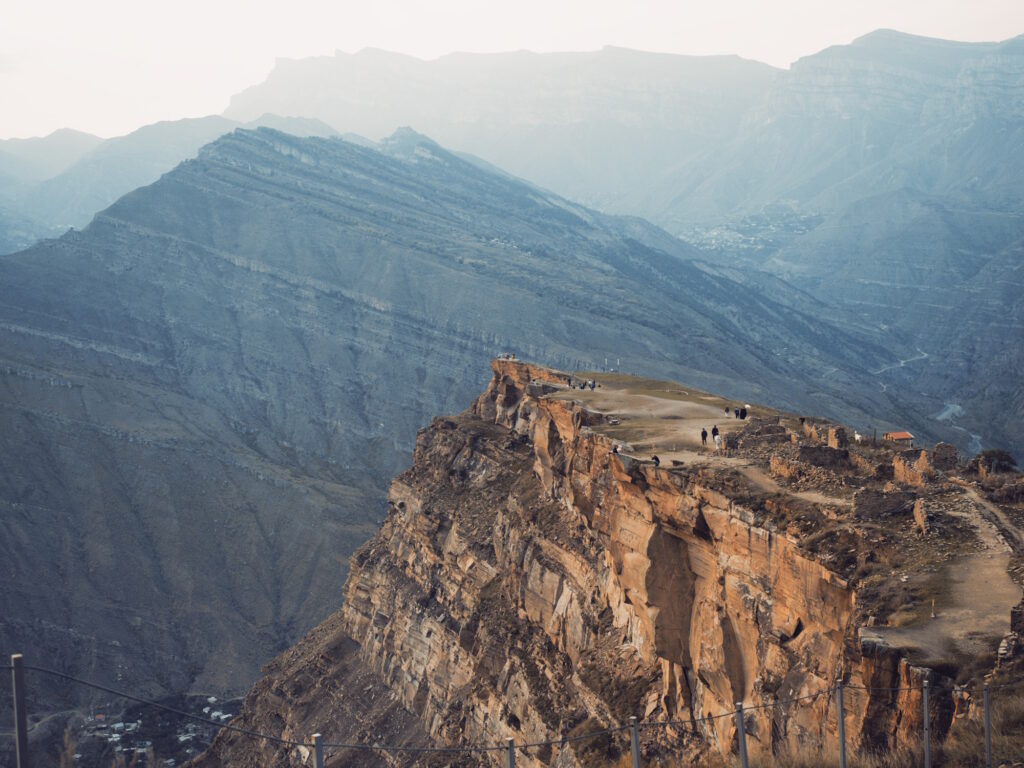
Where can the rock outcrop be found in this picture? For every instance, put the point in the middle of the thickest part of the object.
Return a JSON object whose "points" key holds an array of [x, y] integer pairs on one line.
{"points": [[530, 582]]}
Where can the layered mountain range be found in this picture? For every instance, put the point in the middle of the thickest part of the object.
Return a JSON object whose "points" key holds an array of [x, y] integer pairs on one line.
{"points": [[883, 176]]}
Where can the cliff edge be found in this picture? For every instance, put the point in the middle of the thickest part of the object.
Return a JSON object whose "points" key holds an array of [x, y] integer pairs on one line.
{"points": [[558, 559]]}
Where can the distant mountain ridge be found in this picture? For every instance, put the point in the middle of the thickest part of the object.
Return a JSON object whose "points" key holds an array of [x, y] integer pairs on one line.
{"points": [[885, 177], [64, 179], [36, 159]]}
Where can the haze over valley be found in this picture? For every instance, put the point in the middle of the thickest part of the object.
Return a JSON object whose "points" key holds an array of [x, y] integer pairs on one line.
{"points": [[221, 338]]}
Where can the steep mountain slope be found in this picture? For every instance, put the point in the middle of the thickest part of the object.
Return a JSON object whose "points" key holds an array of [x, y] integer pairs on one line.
{"points": [[886, 112], [205, 391]]}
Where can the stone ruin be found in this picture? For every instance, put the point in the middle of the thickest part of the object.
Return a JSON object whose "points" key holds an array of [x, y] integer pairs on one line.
{"points": [[837, 438], [944, 457], [764, 431], [869, 504], [823, 456], [922, 517], [912, 468]]}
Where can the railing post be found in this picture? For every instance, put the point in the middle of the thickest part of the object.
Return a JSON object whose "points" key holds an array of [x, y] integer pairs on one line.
{"points": [[841, 721], [927, 730], [634, 742], [20, 715], [510, 753], [318, 751], [988, 728], [741, 733]]}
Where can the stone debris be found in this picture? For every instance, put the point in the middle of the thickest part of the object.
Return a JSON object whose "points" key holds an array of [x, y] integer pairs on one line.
{"points": [[1008, 648]]}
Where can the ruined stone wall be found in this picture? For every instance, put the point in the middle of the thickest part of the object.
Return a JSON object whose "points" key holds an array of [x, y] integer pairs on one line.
{"points": [[913, 468], [824, 456]]}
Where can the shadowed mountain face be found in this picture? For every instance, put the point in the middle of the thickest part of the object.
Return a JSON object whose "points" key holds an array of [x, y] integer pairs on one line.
{"points": [[884, 177], [203, 394]]}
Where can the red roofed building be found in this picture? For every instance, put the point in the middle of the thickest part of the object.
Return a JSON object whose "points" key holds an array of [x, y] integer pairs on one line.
{"points": [[898, 437]]}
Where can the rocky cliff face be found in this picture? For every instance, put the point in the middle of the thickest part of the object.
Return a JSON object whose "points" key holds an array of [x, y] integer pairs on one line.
{"points": [[532, 581]]}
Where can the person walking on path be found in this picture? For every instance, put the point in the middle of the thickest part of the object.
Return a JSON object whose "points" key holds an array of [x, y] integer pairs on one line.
{"points": [[718, 442], [714, 431], [704, 436]]}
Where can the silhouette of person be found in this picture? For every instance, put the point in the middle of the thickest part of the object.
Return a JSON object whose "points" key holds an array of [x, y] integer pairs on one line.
{"points": [[704, 436]]}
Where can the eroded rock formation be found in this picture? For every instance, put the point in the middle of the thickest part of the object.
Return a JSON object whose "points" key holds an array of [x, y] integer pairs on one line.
{"points": [[531, 581]]}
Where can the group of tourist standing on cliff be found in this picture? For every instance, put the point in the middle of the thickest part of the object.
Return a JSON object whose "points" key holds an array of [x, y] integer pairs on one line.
{"points": [[715, 436], [739, 413]]}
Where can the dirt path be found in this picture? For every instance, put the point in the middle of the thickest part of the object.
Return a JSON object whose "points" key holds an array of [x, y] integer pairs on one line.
{"points": [[1002, 522], [980, 597], [668, 424], [977, 591]]}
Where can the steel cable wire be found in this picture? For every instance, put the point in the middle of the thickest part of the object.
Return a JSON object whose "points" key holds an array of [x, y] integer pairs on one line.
{"points": [[686, 725], [166, 708]]}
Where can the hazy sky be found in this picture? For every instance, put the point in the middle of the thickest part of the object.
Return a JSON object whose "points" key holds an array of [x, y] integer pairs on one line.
{"points": [[109, 66]]}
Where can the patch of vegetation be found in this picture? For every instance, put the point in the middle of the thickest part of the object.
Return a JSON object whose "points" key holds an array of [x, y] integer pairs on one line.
{"points": [[598, 751]]}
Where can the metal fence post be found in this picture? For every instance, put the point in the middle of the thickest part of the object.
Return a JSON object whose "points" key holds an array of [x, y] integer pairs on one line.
{"points": [[927, 730], [20, 715], [510, 753], [741, 732], [318, 751], [841, 721], [634, 742], [988, 729]]}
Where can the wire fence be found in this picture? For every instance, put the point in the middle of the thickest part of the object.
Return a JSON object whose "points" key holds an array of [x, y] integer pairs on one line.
{"points": [[316, 745]]}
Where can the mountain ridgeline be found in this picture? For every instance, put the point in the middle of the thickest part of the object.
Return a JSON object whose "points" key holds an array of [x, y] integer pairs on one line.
{"points": [[884, 177], [62, 180], [204, 393]]}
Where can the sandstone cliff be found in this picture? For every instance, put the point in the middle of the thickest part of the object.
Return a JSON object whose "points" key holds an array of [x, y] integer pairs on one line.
{"points": [[540, 574]]}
